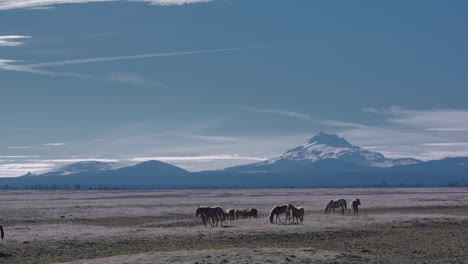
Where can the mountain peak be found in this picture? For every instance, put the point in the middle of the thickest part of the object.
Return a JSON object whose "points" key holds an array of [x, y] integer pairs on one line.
{"points": [[330, 146], [328, 139], [85, 166]]}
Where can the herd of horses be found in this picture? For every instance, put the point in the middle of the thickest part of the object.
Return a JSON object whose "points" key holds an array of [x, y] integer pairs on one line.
{"points": [[214, 215]]}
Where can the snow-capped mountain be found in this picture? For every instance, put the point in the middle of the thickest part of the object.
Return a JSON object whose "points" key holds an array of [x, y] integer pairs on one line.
{"points": [[83, 166], [328, 146]]}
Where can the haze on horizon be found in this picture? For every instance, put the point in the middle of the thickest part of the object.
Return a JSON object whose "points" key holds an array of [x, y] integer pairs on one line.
{"points": [[206, 84]]}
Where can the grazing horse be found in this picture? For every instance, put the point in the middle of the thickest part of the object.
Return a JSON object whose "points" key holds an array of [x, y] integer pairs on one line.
{"points": [[251, 212], [214, 214], [340, 203], [277, 210], [354, 205], [229, 213], [240, 212], [296, 212]]}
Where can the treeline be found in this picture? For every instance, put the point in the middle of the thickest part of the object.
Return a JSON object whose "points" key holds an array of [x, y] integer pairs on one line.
{"points": [[106, 187], [48, 187]]}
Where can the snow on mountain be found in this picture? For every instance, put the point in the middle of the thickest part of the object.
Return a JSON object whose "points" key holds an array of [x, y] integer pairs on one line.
{"points": [[330, 146], [84, 166]]}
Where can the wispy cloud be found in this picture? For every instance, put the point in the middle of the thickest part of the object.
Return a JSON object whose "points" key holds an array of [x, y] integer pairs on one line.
{"points": [[54, 144], [19, 147], [209, 138], [11, 65], [18, 169], [127, 77], [442, 120], [342, 124], [74, 160], [285, 113], [11, 41], [35, 68], [197, 158], [142, 56], [45, 4], [19, 157], [450, 144]]}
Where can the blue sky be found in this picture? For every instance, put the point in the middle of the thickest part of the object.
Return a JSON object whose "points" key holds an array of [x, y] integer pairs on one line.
{"points": [[211, 84]]}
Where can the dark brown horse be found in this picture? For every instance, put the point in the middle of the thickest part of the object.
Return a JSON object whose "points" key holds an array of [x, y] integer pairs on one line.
{"points": [[355, 205], [277, 210], [251, 213], [214, 214]]}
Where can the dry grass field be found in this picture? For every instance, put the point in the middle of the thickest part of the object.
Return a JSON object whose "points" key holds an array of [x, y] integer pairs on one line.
{"points": [[422, 225]]}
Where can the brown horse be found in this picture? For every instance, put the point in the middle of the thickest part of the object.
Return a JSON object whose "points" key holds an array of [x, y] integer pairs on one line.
{"points": [[214, 214], [240, 212], [340, 203], [277, 210], [355, 205], [296, 212]]}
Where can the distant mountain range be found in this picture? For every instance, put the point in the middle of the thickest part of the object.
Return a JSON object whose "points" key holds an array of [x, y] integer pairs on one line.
{"points": [[325, 160]]}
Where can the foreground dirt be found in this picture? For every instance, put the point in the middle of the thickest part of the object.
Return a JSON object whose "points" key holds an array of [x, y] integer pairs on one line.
{"points": [[426, 233]]}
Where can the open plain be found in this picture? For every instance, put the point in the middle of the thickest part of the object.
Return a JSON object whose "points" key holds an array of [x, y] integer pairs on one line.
{"points": [[420, 225]]}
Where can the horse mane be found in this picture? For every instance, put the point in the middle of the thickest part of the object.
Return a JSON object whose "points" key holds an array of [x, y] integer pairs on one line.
{"points": [[272, 214]]}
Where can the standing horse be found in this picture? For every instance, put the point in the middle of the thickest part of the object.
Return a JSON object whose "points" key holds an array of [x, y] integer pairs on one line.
{"points": [[340, 203], [251, 212], [2, 234], [214, 214], [354, 205], [277, 210], [240, 212], [296, 212], [229, 213]]}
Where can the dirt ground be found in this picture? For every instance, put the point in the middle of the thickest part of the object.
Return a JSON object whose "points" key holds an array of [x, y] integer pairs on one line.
{"points": [[421, 225]]}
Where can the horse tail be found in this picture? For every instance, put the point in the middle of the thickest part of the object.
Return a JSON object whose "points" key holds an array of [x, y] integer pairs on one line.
{"points": [[272, 215], [2, 234]]}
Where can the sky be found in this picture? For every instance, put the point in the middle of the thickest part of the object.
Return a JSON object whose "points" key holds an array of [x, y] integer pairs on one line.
{"points": [[206, 84]]}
